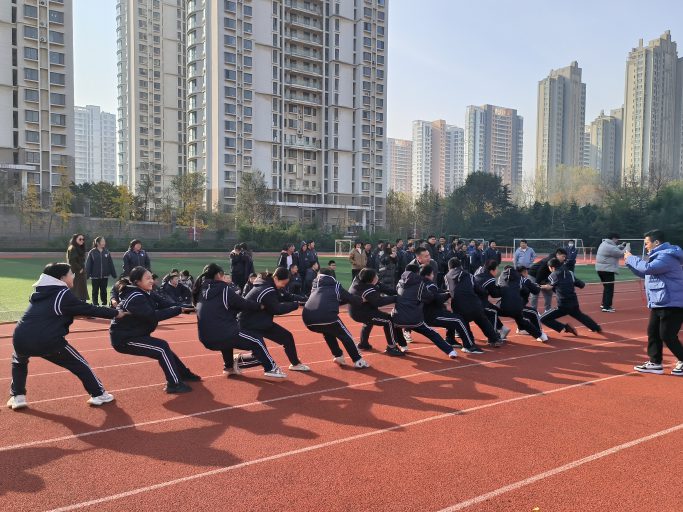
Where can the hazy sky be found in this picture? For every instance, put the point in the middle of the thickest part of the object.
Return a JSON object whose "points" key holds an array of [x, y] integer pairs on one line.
{"points": [[447, 54]]}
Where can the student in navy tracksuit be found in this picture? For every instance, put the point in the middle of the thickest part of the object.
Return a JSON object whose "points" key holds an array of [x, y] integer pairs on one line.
{"points": [[436, 315], [311, 274], [41, 333], [512, 301], [288, 257], [268, 290], [217, 307], [486, 285], [178, 293], [131, 334], [563, 282], [366, 286], [321, 315], [408, 312], [296, 282], [250, 284], [466, 302], [98, 267], [135, 257]]}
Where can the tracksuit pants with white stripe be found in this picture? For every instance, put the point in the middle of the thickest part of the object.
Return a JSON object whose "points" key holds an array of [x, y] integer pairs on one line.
{"points": [[158, 349], [526, 320], [393, 334], [432, 336], [250, 341], [453, 323], [479, 317], [66, 357], [550, 317], [334, 331], [493, 314]]}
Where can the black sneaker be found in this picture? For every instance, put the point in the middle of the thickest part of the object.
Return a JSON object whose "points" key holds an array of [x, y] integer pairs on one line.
{"points": [[454, 343], [496, 344], [190, 377], [394, 351], [364, 346], [174, 389], [472, 350]]}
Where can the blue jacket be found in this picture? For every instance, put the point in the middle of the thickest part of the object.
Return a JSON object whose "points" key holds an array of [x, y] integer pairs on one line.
{"points": [[663, 275]]}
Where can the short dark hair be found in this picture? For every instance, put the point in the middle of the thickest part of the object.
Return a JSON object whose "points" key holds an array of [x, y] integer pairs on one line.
{"points": [[454, 263], [56, 270], [521, 269], [491, 265], [554, 263], [411, 244], [431, 236], [325, 272], [133, 243], [367, 275], [186, 273], [331, 262], [656, 235], [412, 267], [492, 242], [613, 235], [136, 274], [560, 250], [523, 240], [420, 250], [426, 270]]}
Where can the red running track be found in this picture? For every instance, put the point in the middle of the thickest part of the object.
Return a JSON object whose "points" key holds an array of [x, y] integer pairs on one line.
{"points": [[565, 426]]}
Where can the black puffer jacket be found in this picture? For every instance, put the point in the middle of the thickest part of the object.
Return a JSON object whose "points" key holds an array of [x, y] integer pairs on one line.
{"points": [[435, 307], [373, 301], [412, 295], [99, 265], [322, 307], [217, 308], [460, 285], [264, 292], [51, 311], [144, 315], [563, 282], [132, 259], [511, 298], [485, 286], [179, 294]]}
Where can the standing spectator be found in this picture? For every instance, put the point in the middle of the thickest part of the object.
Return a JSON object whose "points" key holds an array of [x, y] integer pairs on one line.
{"points": [[540, 272], [476, 258], [332, 267], [664, 284], [288, 257], [312, 254], [387, 269], [607, 265], [572, 253], [400, 257], [358, 259], [248, 261], [75, 255], [492, 253], [377, 255], [295, 286], [98, 267], [237, 260], [309, 277], [431, 247], [135, 257], [367, 249], [304, 259], [524, 255]]}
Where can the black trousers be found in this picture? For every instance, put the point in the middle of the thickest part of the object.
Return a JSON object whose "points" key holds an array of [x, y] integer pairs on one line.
{"points": [[492, 312], [99, 289], [663, 329], [479, 317], [158, 349], [453, 323], [66, 357], [283, 337], [432, 336], [258, 353], [522, 319], [354, 273], [337, 331], [550, 318], [393, 334], [607, 279]]}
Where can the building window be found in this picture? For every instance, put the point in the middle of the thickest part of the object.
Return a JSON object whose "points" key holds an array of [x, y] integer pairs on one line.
{"points": [[230, 6], [230, 92], [229, 40], [230, 142], [57, 99], [56, 17], [56, 58], [32, 116], [56, 37], [231, 126], [58, 119], [230, 58], [30, 32], [31, 95], [57, 78], [30, 53], [30, 11], [32, 157], [32, 136], [31, 74]]}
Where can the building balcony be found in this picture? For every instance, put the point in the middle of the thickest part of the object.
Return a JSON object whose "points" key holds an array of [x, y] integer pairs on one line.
{"points": [[311, 100], [301, 84], [299, 22], [301, 69], [313, 41], [314, 56], [301, 143], [295, 5], [301, 190]]}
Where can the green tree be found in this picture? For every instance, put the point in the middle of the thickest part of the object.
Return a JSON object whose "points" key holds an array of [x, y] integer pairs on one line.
{"points": [[190, 190], [62, 198], [253, 204], [400, 212], [29, 206], [124, 206]]}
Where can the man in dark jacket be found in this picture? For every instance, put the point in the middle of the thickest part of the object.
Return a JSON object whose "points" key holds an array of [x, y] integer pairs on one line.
{"points": [[492, 253], [512, 304], [135, 257], [466, 302], [178, 293], [311, 274], [312, 254], [366, 286], [563, 282], [409, 310], [485, 285], [304, 258], [572, 254], [288, 257], [540, 272]]}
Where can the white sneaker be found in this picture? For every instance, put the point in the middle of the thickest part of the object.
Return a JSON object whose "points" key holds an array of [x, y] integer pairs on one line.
{"points": [[649, 367], [543, 338], [678, 369], [408, 337], [17, 402], [235, 370], [522, 331], [340, 360], [301, 367], [361, 363], [104, 398], [276, 372], [504, 331], [453, 354]]}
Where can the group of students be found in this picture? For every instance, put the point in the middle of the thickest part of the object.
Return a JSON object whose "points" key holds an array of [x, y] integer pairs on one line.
{"points": [[229, 318]]}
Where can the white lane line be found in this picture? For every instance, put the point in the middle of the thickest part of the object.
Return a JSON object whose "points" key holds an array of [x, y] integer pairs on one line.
{"points": [[286, 397], [327, 444], [561, 469]]}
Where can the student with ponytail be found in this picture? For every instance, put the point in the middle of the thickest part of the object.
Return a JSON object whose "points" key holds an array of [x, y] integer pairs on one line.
{"points": [[217, 307], [131, 335], [268, 290]]}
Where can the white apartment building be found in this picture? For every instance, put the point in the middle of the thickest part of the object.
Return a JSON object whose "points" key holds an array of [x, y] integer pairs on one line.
{"points": [[95, 146], [151, 92], [399, 165], [296, 90], [560, 121], [652, 110], [604, 148], [36, 94], [494, 138], [438, 157], [454, 158]]}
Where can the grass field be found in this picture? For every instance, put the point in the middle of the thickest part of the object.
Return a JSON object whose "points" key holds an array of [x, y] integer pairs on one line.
{"points": [[18, 274]]}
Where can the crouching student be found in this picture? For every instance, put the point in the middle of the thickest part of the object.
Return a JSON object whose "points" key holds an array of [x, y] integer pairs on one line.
{"points": [[131, 334], [365, 286], [321, 315], [409, 313], [512, 300], [436, 315], [217, 307], [177, 292], [563, 282], [41, 333]]}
